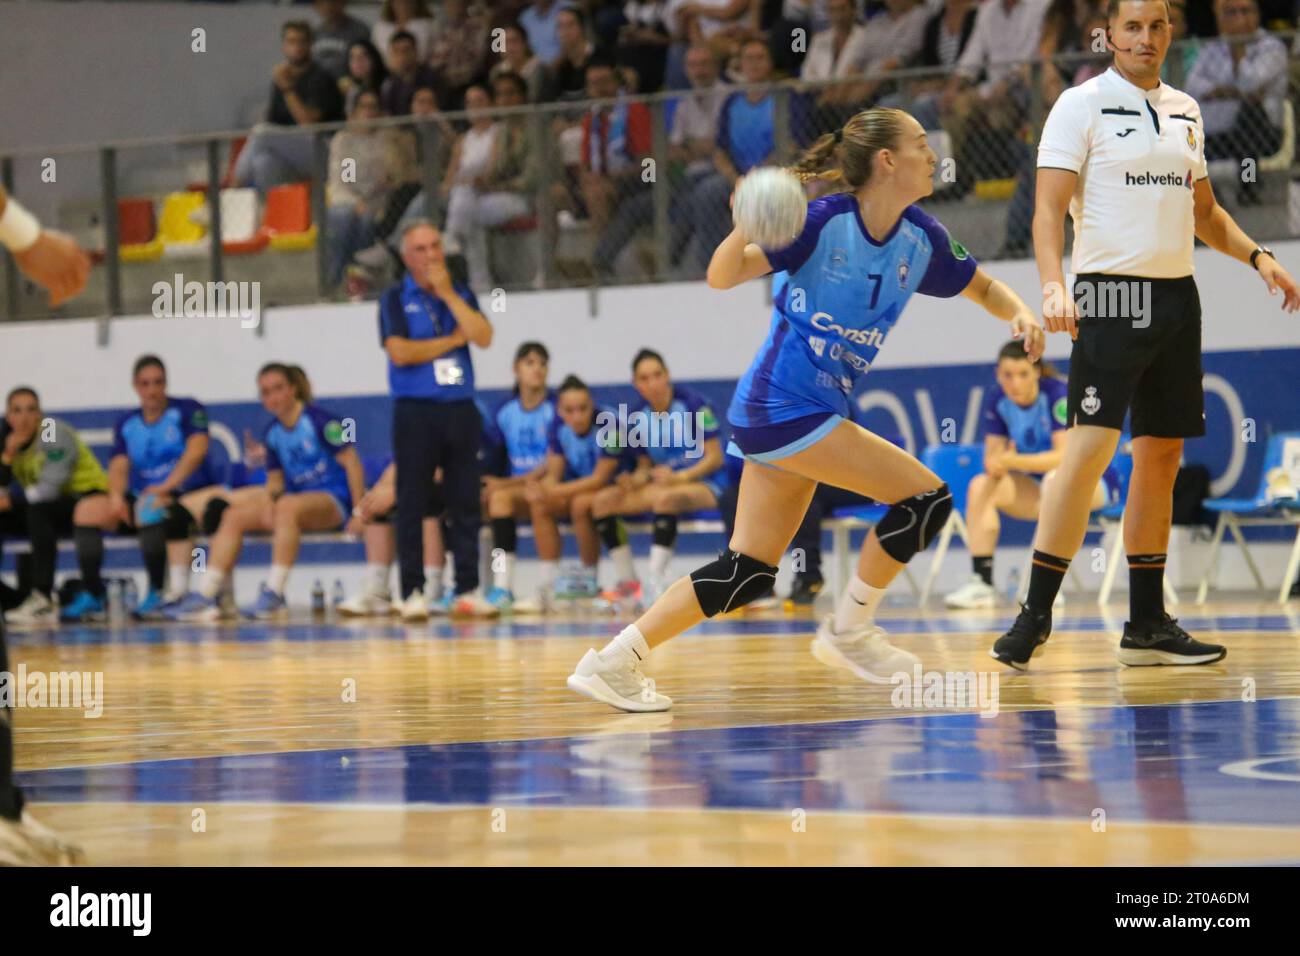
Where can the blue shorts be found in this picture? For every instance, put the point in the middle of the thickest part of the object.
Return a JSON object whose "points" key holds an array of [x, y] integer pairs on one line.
{"points": [[341, 498], [768, 443]]}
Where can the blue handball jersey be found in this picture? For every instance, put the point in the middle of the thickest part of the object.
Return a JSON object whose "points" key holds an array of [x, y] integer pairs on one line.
{"points": [[153, 448], [522, 432], [306, 453], [837, 294], [1029, 427], [674, 437], [581, 452]]}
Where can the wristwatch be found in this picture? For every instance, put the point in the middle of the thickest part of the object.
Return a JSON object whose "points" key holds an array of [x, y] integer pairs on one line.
{"points": [[1260, 251]]}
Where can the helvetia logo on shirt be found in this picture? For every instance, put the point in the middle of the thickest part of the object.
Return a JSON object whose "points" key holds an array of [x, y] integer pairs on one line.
{"points": [[1158, 179]]}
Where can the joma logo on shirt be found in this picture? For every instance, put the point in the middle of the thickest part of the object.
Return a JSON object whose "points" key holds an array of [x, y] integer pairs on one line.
{"points": [[823, 322]]}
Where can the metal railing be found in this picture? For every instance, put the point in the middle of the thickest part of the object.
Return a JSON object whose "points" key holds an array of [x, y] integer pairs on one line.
{"points": [[656, 220]]}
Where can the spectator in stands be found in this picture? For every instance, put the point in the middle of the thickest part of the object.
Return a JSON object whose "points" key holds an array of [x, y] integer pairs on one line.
{"points": [[366, 71], [570, 67], [460, 52], [539, 21], [301, 94], [894, 40], [377, 509], [468, 214], [408, 74], [746, 138], [51, 484], [638, 34], [334, 36], [673, 433], [615, 140], [313, 475], [1182, 57], [576, 470], [160, 482], [404, 16], [723, 22], [520, 427], [985, 102], [1240, 81], [366, 164], [426, 324], [946, 34], [519, 58], [836, 53], [691, 143]]}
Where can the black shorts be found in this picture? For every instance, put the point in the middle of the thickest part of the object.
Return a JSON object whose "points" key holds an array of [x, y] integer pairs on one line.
{"points": [[1140, 350]]}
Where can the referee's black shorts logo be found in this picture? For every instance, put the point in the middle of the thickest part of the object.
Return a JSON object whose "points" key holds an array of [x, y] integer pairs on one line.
{"points": [[1146, 357]]}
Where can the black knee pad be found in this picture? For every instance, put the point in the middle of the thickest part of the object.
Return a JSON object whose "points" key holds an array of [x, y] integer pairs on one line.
{"points": [[212, 514], [732, 581], [911, 524], [177, 524]]}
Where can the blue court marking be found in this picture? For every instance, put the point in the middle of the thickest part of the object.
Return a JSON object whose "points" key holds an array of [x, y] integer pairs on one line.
{"points": [[595, 625], [1151, 763]]}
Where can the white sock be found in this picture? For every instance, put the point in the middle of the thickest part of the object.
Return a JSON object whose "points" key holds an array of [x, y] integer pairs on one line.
{"points": [[484, 554], [504, 578], [659, 558], [279, 578], [178, 578], [550, 573], [378, 578], [433, 581], [622, 558], [628, 648], [213, 580], [857, 607]]}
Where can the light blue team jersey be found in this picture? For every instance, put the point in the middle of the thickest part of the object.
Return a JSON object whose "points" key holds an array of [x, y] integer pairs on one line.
{"points": [[674, 437], [153, 448], [306, 454], [837, 294], [580, 452], [522, 432], [1029, 427]]}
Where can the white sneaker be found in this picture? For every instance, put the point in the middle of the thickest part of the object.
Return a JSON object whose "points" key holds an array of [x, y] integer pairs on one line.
{"points": [[367, 603], [624, 687], [414, 608], [36, 611], [542, 603], [473, 604], [972, 595], [28, 842], [866, 653]]}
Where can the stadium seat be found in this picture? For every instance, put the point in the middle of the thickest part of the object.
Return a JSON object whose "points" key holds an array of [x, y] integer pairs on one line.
{"points": [[287, 222], [1263, 509], [137, 230], [181, 236], [240, 234]]}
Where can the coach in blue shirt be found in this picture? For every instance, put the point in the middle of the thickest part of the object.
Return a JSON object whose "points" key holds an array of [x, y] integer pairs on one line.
{"points": [[426, 325]]}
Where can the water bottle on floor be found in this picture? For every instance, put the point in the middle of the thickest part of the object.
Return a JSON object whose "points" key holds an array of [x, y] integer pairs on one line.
{"points": [[317, 598], [130, 597], [337, 596]]}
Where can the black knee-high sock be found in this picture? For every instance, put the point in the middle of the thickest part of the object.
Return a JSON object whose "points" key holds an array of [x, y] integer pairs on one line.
{"points": [[90, 558], [611, 532], [983, 566], [1146, 582], [665, 530], [11, 798], [153, 546], [505, 534], [1045, 577]]}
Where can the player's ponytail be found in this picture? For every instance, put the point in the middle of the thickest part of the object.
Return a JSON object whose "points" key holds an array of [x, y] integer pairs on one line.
{"points": [[845, 157]]}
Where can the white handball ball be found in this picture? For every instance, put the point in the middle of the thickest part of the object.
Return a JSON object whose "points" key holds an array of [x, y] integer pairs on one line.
{"points": [[770, 207]]}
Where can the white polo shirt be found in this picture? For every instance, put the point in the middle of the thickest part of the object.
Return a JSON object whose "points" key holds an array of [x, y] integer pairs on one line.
{"points": [[1138, 153]]}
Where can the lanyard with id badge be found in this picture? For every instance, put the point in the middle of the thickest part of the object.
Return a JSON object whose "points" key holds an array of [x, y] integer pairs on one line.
{"points": [[447, 370]]}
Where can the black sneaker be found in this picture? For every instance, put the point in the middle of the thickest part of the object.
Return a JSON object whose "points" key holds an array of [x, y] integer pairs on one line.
{"points": [[804, 592], [1165, 643], [1016, 646]]}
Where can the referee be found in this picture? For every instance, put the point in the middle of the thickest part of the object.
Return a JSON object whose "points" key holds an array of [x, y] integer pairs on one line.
{"points": [[426, 323], [1124, 153]]}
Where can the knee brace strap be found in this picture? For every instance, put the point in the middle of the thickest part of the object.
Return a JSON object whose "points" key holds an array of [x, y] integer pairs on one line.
{"points": [[911, 524], [177, 523], [212, 515], [732, 581]]}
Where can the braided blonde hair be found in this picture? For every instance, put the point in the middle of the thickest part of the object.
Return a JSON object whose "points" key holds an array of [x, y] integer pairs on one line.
{"points": [[846, 157]]}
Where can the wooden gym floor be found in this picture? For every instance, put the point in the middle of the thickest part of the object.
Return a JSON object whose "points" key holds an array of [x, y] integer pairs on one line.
{"points": [[372, 743]]}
